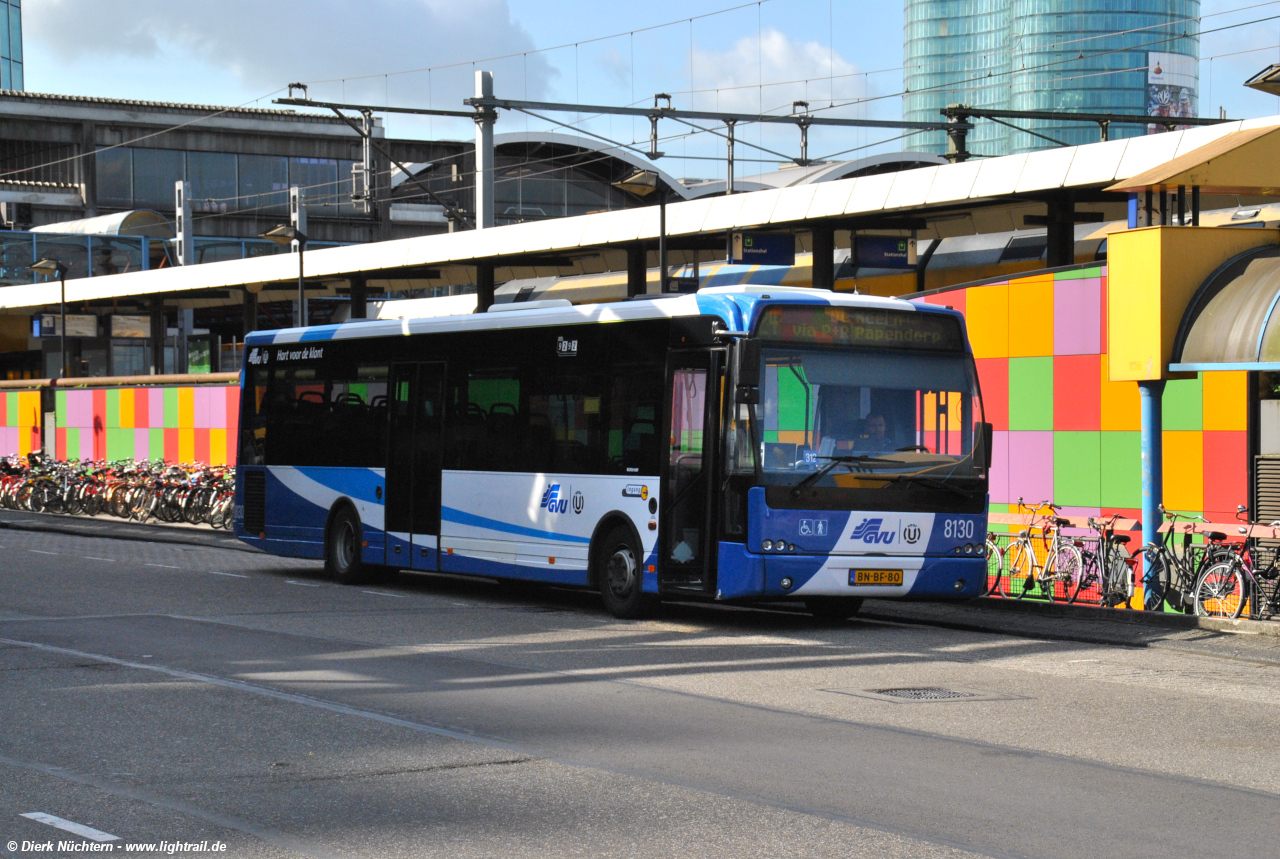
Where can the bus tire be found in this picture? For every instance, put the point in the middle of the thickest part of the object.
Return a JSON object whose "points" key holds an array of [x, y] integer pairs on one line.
{"points": [[342, 541], [620, 575], [833, 609]]}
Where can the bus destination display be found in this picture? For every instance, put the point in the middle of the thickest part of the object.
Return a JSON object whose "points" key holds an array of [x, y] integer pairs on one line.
{"points": [[847, 326]]}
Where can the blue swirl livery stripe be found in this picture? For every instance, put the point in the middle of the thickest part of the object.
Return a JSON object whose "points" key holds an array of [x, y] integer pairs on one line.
{"points": [[461, 517]]}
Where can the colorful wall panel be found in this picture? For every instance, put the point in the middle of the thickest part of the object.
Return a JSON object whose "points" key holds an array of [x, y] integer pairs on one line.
{"points": [[1064, 432], [19, 422], [177, 424]]}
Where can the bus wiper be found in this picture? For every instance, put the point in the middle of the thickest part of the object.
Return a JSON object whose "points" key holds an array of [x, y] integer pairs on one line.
{"points": [[826, 469], [926, 480]]}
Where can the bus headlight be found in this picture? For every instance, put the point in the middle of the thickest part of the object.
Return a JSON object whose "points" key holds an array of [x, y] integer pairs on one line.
{"points": [[786, 583], [968, 548], [767, 545]]}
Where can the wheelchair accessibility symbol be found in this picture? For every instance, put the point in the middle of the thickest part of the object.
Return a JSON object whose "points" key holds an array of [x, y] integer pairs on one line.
{"points": [[813, 527]]}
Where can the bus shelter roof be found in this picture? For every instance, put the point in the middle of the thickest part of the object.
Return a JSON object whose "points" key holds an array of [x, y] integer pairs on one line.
{"points": [[977, 196], [1240, 162]]}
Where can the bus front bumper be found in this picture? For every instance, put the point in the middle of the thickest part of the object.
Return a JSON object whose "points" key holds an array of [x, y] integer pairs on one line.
{"points": [[922, 577]]}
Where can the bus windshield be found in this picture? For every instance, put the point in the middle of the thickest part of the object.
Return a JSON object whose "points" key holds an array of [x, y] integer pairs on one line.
{"points": [[868, 419]]}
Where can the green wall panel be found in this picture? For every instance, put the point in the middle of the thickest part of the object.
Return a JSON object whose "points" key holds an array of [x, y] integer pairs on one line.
{"points": [[119, 443], [1183, 404], [60, 406], [113, 409], [1077, 469], [1031, 393], [1121, 477], [73, 443]]}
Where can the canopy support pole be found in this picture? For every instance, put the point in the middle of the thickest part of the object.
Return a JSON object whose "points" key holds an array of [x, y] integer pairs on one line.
{"points": [[1151, 394]]}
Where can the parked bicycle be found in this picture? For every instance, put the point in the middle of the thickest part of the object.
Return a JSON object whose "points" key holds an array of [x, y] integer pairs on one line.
{"points": [[1249, 575], [1175, 563], [1051, 571]]}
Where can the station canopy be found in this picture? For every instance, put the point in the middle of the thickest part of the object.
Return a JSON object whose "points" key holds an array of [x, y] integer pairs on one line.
{"points": [[979, 196]]}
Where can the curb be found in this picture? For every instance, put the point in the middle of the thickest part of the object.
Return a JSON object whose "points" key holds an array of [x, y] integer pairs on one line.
{"points": [[118, 530], [1170, 620]]}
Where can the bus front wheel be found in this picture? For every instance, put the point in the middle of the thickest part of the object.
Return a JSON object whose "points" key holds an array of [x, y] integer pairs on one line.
{"points": [[620, 575], [833, 609], [342, 545]]}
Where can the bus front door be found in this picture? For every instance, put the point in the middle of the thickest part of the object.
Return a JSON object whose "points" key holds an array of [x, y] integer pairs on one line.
{"points": [[686, 541], [413, 465]]}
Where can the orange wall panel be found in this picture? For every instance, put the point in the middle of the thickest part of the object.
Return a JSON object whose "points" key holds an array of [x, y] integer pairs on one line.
{"points": [[1031, 317], [1121, 407], [1184, 470], [1226, 400], [987, 317]]}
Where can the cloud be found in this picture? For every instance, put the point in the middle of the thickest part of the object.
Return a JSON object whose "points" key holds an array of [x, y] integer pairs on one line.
{"points": [[773, 59], [265, 44]]}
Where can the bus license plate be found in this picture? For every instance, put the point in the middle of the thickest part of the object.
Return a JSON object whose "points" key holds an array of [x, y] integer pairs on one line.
{"points": [[875, 577]]}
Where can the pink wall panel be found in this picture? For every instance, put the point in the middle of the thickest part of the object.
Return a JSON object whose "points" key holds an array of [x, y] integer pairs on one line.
{"points": [[1077, 317], [155, 407], [1030, 466]]}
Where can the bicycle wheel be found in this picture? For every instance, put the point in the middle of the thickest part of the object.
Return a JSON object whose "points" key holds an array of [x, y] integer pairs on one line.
{"points": [[1117, 585], [1061, 571], [1088, 578], [1160, 571], [1020, 568], [995, 569], [1219, 591]]}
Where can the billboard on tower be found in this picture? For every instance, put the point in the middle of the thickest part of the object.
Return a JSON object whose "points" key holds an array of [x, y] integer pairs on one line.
{"points": [[1171, 87]]}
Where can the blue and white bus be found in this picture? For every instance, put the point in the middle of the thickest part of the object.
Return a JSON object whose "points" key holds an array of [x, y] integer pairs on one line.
{"points": [[737, 444]]}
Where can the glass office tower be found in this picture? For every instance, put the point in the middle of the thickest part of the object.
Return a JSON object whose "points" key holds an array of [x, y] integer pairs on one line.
{"points": [[1098, 56], [11, 44]]}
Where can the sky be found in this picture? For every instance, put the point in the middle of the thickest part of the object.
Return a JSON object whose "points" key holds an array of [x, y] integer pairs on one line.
{"points": [[709, 55]]}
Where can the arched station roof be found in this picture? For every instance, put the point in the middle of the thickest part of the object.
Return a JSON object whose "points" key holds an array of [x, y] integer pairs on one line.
{"points": [[1232, 321]]}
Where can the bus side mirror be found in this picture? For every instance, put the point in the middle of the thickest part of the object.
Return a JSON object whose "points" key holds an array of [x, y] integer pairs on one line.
{"points": [[988, 438], [747, 371]]}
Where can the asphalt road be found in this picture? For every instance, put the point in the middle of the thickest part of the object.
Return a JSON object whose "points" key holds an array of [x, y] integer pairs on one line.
{"points": [[163, 692]]}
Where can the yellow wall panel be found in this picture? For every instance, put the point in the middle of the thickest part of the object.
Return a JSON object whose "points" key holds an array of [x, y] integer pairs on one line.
{"points": [[1184, 470], [1226, 400], [186, 409], [1031, 317], [126, 407], [186, 444], [987, 317], [1121, 406], [29, 409], [218, 447]]}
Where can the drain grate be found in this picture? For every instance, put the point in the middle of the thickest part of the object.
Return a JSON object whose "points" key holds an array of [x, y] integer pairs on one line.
{"points": [[922, 693]]}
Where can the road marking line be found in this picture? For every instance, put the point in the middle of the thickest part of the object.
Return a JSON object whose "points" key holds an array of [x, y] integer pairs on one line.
{"points": [[41, 552], [381, 594], [70, 826], [232, 575], [166, 566], [304, 584], [92, 558]]}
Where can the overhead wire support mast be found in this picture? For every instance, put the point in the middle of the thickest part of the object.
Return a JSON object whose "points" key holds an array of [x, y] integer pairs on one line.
{"points": [[961, 114], [365, 130], [653, 114]]}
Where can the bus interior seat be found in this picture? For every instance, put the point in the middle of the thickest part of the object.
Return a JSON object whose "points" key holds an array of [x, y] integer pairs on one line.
{"points": [[502, 425]]}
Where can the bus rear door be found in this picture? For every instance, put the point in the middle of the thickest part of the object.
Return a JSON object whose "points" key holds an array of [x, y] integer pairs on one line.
{"points": [[413, 465]]}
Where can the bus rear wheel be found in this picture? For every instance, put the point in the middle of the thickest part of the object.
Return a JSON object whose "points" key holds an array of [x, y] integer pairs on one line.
{"points": [[342, 545], [833, 609], [619, 574]]}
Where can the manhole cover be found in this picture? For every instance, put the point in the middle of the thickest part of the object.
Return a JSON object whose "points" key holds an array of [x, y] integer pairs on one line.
{"points": [[922, 693]]}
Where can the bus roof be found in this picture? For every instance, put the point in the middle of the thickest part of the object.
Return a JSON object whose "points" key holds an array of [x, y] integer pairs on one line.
{"points": [[736, 306]]}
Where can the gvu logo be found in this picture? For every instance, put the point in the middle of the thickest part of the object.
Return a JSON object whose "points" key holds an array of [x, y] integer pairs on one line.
{"points": [[868, 531], [552, 501]]}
